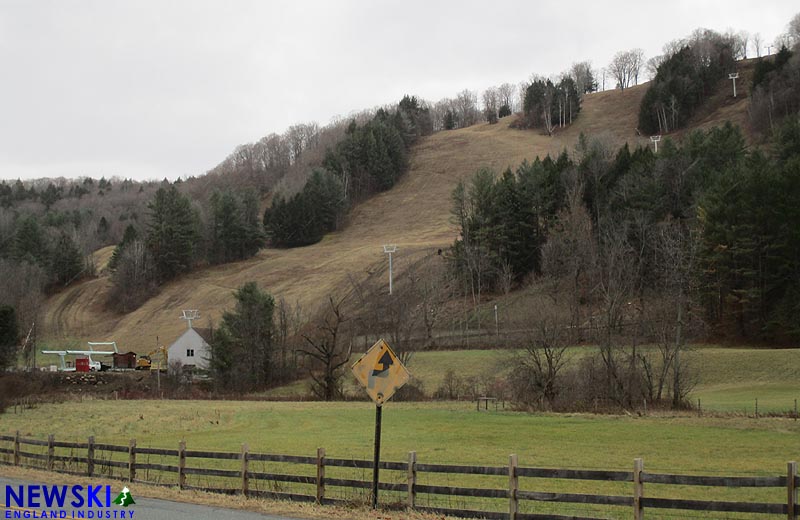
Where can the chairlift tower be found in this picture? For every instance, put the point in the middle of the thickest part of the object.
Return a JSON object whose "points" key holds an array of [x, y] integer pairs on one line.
{"points": [[655, 139], [733, 76], [190, 315], [390, 249]]}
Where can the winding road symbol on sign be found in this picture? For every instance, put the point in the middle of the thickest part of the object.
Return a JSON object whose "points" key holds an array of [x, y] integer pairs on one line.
{"points": [[381, 372]]}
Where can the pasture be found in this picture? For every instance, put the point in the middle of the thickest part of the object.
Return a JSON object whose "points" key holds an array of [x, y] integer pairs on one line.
{"points": [[728, 379], [445, 433]]}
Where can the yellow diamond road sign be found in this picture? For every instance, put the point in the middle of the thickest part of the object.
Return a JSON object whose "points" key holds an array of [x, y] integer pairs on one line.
{"points": [[381, 372]]}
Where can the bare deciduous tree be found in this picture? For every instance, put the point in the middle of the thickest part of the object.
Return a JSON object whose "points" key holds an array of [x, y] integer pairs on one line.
{"points": [[653, 64], [329, 347], [793, 31], [583, 76], [569, 257], [626, 66], [539, 367], [490, 104], [758, 41], [506, 92], [467, 104]]}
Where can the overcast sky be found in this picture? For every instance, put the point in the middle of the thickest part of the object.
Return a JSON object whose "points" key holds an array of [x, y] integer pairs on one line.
{"points": [[153, 89]]}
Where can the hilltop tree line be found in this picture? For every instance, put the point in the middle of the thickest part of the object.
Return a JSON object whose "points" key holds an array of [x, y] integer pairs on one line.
{"points": [[177, 236], [684, 80], [776, 89], [548, 105], [736, 205], [631, 248], [369, 159]]}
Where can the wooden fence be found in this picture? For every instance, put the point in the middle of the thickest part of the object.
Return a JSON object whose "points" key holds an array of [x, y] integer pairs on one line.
{"points": [[406, 488]]}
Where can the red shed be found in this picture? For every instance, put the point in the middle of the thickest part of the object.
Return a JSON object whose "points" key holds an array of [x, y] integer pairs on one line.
{"points": [[125, 360], [81, 364]]}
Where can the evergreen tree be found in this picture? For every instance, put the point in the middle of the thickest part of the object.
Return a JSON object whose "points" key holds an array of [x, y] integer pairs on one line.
{"points": [[29, 242], [171, 233], [9, 337], [449, 120], [307, 216], [66, 261], [128, 237], [242, 350], [50, 195]]}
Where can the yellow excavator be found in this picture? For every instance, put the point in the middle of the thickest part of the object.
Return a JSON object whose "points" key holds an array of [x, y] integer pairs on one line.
{"points": [[145, 361]]}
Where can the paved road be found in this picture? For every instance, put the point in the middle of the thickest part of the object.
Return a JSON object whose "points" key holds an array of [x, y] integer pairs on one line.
{"points": [[144, 509]]}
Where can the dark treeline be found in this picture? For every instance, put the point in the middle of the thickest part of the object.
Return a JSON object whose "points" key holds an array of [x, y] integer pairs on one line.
{"points": [[177, 237], [547, 105], [369, 159], [504, 221], [731, 210], [629, 248], [305, 217], [684, 79], [776, 90]]}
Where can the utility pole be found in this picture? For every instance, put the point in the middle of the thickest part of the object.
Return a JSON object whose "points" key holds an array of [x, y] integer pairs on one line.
{"points": [[390, 249], [33, 345], [158, 371]]}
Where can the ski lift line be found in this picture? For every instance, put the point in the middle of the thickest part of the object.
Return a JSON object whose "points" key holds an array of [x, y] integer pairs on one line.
{"points": [[98, 343]]}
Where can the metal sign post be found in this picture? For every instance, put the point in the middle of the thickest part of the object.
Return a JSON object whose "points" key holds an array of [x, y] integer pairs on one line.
{"points": [[376, 458], [382, 374]]}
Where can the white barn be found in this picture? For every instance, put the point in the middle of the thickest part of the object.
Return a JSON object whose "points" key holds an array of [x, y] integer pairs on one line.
{"points": [[191, 349]]}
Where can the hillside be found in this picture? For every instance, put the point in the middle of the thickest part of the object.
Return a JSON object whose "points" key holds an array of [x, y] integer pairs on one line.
{"points": [[415, 215]]}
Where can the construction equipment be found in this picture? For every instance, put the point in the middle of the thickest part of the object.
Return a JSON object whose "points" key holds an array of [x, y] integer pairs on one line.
{"points": [[145, 361], [93, 365]]}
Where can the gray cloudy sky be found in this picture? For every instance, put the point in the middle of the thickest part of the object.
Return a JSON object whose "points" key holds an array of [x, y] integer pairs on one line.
{"points": [[149, 89]]}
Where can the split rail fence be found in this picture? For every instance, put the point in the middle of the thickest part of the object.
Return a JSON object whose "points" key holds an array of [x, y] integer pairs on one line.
{"points": [[512, 501]]}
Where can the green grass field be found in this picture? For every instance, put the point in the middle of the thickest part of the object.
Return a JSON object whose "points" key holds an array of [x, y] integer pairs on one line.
{"points": [[729, 379], [443, 433], [446, 432]]}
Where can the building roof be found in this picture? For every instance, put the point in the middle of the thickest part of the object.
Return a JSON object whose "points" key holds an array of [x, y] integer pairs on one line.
{"points": [[206, 334]]}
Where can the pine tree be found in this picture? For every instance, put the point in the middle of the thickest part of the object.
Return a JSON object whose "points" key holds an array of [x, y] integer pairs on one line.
{"points": [[171, 233], [66, 261], [29, 242], [128, 237], [242, 350], [9, 336]]}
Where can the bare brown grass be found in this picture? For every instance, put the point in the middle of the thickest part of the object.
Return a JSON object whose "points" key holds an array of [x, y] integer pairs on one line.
{"points": [[415, 215]]}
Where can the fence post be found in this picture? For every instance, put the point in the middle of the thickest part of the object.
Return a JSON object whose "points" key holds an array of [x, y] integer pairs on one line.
{"points": [[245, 469], [412, 479], [90, 456], [16, 449], [513, 485], [638, 489], [132, 460], [320, 474], [791, 489], [181, 464], [50, 451]]}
